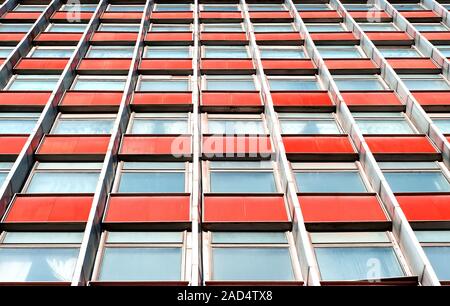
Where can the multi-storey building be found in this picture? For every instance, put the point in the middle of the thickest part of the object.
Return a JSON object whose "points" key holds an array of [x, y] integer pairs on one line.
{"points": [[225, 142]]}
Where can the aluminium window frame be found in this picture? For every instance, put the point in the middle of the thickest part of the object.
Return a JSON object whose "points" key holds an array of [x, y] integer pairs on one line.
{"points": [[202, 7], [142, 78], [52, 24], [98, 78], [18, 24], [342, 25], [315, 77], [350, 77], [291, 116], [446, 28], [413, 47], [439, 116], [157, 5], [205, 117], [409, 3], [102, 24], [205, 77], [356, 48], [174, 25], [148, 48], [293, 26], [435, 244], [186, 117], [204, 48], [404, 118], [397, 29], [63, 116], [186, 257], [282, 5], [118, 5], [73, 7], [39, 47], [20, 6], [281, 48], [425, 77], [222, 24], [31, 77], [87, 55], [327, 6]]}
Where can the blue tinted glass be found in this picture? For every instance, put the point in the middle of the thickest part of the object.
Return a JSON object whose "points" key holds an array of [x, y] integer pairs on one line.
{"points": [[282, 53], [443, 125], [41, 52], [15, 27], [5, 51], [339, 52], [86, 126], [67, 27], [104, 27], [273, 27], [417, 181], [399, 52], [59, 182], [98, 84], [167, 52], [337, 27], [359, 84], [384, 126], [309, 127], [374, 26], [287, 84], [3, 176], [242, 182], [16, 126], [235, 127], [430, 27], [124, 52], [230, 84], [226, 52], [33, 84], [426, 84], [329, 182], [312, 7], [164, 85], [152, 182], [440, 260], [159, 126], [445, 50]]}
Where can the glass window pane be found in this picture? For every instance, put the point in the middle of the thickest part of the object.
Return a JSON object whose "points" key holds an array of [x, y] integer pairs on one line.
{"points": [[329, 182], [99, 84], [226, 52], [152, 182], [216, 126], [222, 27], [159, 126], [164, 85], [60, 182], [167, 52], [445, 50], [440, 260], [312, 7], [252, 264], [230, 84], [431, 27], [309, 127], [15, 27], [172, 7], [294, 84], [29, 8], [443, 125], [109, 27], [110, 52], [52, 52], [170, 27], [66, 27], [83, 126], [391, 52], [414, 83], [125, 8], [249, 237], [242, 182], [358, 263], [378, 26], [37, 264], [408, 6], [417, 181], [358, 83], [360, 7], [79, 7], [34, 82], [43, 237], [325, 27], [266, 7], [294, 53], [128, 264], [17, 126], [384, 126], [433, 236], [274, 27], [5, 51], [145, 237], [339, 52], [220, 7]]}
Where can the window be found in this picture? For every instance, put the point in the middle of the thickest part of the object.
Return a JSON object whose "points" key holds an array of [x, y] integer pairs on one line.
{"points": [[222, 27], [38, 256], [425, 81], [155, 27], [4, 170], [18, 123], [229, 83], [273, 27], [356, 256], [341, 52], [325, 27], [82, 7], [225, 52], [398, 51], [125, 8], [430, 27], [50, 52], [383, 123], [266, 7], [329, 178], [220, 7], [151, 177], [141, 256], [360, 7], [308, 123], [30, 82], [163, 83], [29, 8], [66, 28], [241, 177], [159, 123], [118, 27], [312, 7], [179, 7], [15, 27], [359, 82], [251, 256], [167, 52], [70, 177], [378, 26], [110, 52], [269, 52], [436, 245], [442, 121], [408, 6], [415, 177], [234, 125], [83, 124], [99, 83], [445, 50], [5, 51], [294, 83]]}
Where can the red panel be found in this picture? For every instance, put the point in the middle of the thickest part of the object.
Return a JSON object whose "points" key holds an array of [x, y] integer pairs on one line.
{"points": [[60, 16], [109, 65], [2, 60], [157, 145], [425, 207], [131, 16], [24, 98], [172, 37], [301, 99], [236, 144], [221, 15], [432, 98], [399, 144], [419, 15], [318, 144], [389, 36], [148, 209], [321, 15], [172, 15], [74, 98], [270, 15], [166, 66], [334, 36], [244, 209], [12, 145], [370, 15], [113, 37], [273, 37], [49, 209], [305, 65], [341, 208], [79, 145], [226, 64], [22, 16], [11, 36], [223, 37], [413, 64], [231, 99], [57, 37], [370, 98], [436, 36], [162, 98], [351, 64], [37, 64]]}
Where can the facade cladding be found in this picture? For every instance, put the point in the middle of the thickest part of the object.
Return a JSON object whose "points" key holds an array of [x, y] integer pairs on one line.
{"points": [[221, 142]]}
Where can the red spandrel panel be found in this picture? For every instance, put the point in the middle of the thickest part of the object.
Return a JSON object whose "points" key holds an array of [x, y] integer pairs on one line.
{"points": [[22, 16], [237, 144], [399, 144], [105, 64], [286, 37], [49, 209], [75, 98], [146, 98], [425, 207], [318, 144], [226, 64], [131, 16], [113, 37], [370, 15], [12, 37], [341, 208], [36, 64], [244, 208], [432, 97], [420, 15], [301, 99], [223, 37], [436, 36], [270, 15], [148, 209], [58, 144], [389, 36], [162, 65], [156, 145], [172, 15], [57, 37], [304, 65], [24, 98], [333, 36], [231, 99], [311, 15], [352, 64], [371, 98], [169, 37], [221, 15], [413, 63], [65, 16], [12, 145]]}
